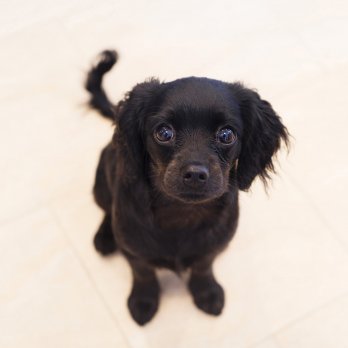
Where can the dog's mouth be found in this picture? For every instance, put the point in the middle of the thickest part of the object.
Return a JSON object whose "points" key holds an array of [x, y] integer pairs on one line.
{"points": [[193, 197]]}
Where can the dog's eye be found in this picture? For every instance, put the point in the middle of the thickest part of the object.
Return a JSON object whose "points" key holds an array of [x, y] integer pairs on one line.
{"points": [[164, 133], [226, 135]]}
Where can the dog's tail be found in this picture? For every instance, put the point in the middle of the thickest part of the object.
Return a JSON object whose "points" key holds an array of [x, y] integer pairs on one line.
{"points": [[99, 99]]}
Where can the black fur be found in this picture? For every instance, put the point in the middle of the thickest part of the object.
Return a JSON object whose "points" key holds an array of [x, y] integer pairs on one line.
{"points": [[174, 203], [99, 100]]}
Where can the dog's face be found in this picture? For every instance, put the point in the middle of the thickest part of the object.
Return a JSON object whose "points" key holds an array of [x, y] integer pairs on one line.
{"points": [[193, 138]]}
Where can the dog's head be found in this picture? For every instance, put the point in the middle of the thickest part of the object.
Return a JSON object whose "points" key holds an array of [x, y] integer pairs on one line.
{"points": [[192, 138]]}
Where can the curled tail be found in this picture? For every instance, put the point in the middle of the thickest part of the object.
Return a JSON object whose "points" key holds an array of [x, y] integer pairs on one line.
{"points": [[99, 99]]}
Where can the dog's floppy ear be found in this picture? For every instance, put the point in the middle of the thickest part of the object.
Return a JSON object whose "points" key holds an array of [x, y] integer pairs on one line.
{"points": [[262, 136], [132, 187], [130, 121]]}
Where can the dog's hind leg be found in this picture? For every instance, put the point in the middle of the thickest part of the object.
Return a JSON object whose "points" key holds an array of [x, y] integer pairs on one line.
{"points": [[104, 240]]}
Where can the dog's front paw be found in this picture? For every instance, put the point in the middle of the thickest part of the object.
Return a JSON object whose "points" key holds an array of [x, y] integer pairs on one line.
{"points": [[208, 295], [142, 309], [143, 303]]}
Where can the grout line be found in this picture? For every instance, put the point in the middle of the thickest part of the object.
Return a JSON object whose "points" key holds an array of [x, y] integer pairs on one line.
{"points": [[303, 317], [264, 340], [90, 278], [309, 199], [318, 212], [10, 219], [308, 315]]}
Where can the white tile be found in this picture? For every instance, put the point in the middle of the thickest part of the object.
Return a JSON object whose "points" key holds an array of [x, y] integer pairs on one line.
{"points": [[315, 111], [282, 264], [325, 37], [290, 254], [269, 60], [268, 343], [46, 298], [283, 261], [297, 15], [48, 152], [326, 327], [21, 15], [44, 120]]}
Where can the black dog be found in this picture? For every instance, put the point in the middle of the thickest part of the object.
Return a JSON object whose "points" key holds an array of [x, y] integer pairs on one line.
{"points": [[168, 182]]}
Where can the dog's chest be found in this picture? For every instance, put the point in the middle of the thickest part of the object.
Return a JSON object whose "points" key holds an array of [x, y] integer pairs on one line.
{"points": [[184, 232], [175, 218]]}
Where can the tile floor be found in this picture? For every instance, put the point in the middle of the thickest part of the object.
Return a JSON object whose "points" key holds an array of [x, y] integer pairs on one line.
{"points": [[286, 272]]}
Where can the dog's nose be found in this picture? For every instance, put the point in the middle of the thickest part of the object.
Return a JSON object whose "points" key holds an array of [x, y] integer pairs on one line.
{"points": [[195, 176]]}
